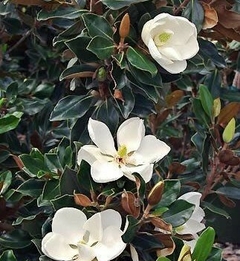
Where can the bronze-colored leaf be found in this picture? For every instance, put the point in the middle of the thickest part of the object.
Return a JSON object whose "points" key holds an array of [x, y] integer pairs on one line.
{"points": [[82, 200], [130, 203], [18, 161], [168, 243], [173, 98], [161, 224], [225, 155], [210, 16], [226, 201], [177, 168], [228, 112]]}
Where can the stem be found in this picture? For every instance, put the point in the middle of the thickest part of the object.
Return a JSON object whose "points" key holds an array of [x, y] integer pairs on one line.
{"points": [[180, 7]]}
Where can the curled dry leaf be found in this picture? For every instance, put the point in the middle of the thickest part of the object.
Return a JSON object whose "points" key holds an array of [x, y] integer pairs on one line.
{"points": [[210, 16], [82, 200], [161, 224], [227, 201], [130, 203], [168, 243]]}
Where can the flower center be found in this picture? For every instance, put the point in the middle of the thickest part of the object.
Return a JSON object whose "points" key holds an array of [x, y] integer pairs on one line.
{"points": [[121, 154], [163, 38]]}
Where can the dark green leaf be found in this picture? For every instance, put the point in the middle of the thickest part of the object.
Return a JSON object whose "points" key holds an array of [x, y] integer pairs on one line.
{"points": [[102, 47], [70, 107], [31, 187], [213, 82], [199, 112], [215, 209], [146, 241], [51, 190], [69, 182], [215, 255], [140, 61], [132, 228], [118, 4], [179, 212], [16, 239], [195, 13], [97, 26], [68, 13], [77, 71], [204, 245]]}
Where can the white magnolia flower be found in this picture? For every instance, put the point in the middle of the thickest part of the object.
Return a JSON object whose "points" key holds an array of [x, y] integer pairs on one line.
{"points": [[194, 224], [136, 152], [74, 237], [171, 40]]}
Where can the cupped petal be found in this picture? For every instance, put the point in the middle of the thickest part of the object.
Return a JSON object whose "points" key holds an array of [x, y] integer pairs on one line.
{"points": [[130, 133], [101, 136], [103, 171], [192, 197], [151, 150], [69, 222], [198, 214], [94, 227], [171, 52], [190, 227], [56, 247], [146, 31], [110, 217], [145, 171], [91, 153], [86, 252], [175, 67], [111, 245]]}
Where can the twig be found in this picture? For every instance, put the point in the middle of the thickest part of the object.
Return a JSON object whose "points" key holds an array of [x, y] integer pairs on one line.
{"points": [[180, 7]]}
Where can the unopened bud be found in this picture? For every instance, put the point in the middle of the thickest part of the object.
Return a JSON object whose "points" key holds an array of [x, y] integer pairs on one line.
{"points": [[124, 26], [155, 194]]}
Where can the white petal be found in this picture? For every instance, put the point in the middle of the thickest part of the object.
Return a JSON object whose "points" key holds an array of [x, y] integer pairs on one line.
{"points": [[175, 67], [111, 217], [151, 150], [111, 245], [171, 52], [134, 254], [146, 31], [94, 227], [198, 214], [101, 136], [191, 227], [69, 222], [144, 170], [103, 172], [91, 153], [86, 252], [56, 247], [130, 133], [192, 197]]}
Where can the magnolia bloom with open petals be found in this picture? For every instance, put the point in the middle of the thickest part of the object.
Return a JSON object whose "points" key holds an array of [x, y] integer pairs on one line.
{"points": [[136, 152], [171, 40], [74, 237], [194, 224]]}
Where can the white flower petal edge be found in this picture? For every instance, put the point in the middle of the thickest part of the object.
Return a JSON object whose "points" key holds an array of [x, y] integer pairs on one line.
{"points": [[100, 236], [135, 152], [171, 40]]}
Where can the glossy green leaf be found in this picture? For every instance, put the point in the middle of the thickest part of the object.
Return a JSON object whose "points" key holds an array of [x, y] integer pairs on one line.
{"points": [[51, 190], [97, 26], [118, 4], [215, 209], [63, 201], [4, 154], [179, 212], [5, 180], [15, 239], [79, 45], [8, 255], [215, 255], [131, 229], [204, 245], [140, 61], [32, 106], [102, 47], [206, 100], [170, 193], [208, 50], [200, 113], [31, 187], [69, 182], [71, 106], [162, 258], [146, 241], [68, 13], [213, 82], [195, 13], [10, 121]]}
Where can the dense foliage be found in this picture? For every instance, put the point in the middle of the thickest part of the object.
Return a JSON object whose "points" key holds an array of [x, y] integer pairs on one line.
{"points": [[64, 62]]}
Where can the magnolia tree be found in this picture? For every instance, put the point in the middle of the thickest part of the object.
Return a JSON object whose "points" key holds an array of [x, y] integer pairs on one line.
{"points": [[119, 128]]}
